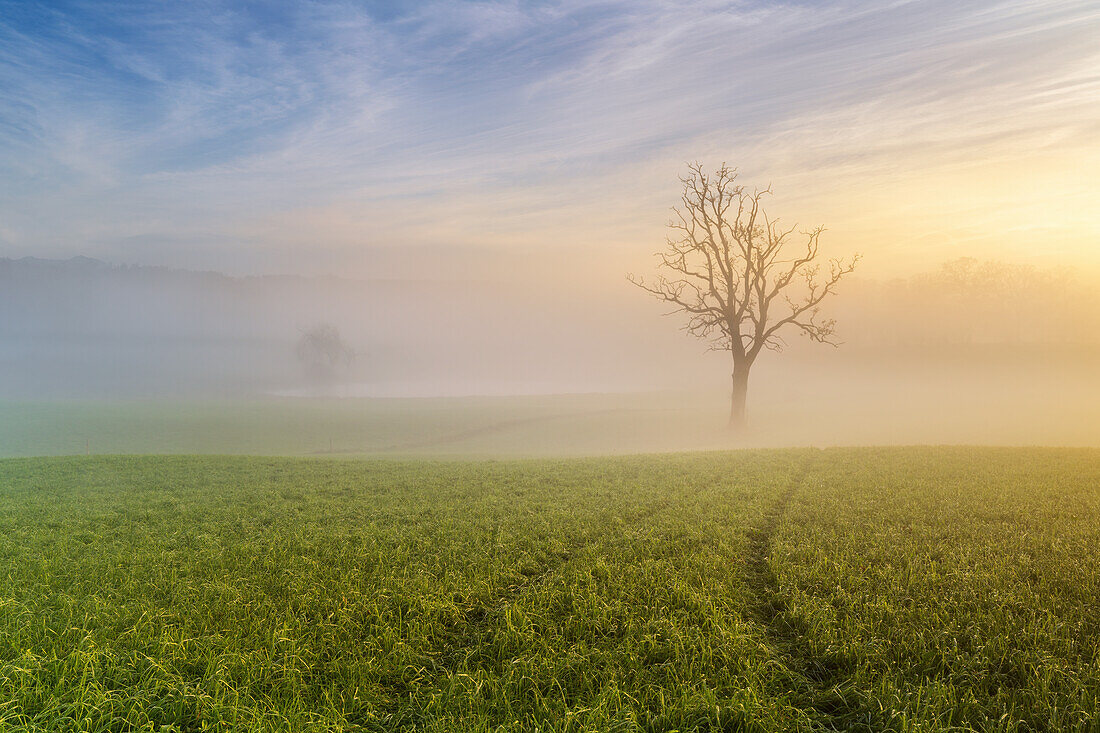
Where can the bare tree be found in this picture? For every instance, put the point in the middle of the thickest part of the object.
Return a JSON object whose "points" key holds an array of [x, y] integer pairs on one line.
{"points": [[322, 352], [739, 276]]}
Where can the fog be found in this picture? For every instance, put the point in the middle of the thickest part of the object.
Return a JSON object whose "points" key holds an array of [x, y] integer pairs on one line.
{"points": [[967, 351]]}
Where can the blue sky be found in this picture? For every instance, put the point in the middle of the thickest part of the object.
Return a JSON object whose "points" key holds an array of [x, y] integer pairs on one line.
{"points": [[259, 137]]}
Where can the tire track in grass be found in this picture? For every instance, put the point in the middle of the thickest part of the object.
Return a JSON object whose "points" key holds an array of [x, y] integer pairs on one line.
{"points": [[758, 572], [510, 594], [816, 682], [477, 623], [498, 427], [469, 433], [462, 642]]}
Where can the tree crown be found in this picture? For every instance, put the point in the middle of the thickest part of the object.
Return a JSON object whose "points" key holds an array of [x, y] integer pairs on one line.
{"points": [[739, 276]]}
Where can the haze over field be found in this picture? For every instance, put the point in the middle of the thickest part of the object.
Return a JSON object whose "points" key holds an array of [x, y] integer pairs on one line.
{"points": [[969, 353], [460, 189]]}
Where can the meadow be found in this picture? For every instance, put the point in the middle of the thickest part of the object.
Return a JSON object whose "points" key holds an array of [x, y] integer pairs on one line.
{"points": [[908, 589], [884, 409]]}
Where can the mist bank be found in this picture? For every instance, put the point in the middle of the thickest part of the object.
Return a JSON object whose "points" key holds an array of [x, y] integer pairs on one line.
{"points": [[85, 329], [82, 328]]}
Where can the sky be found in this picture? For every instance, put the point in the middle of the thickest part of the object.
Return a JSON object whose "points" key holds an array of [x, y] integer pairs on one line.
{"points": [[379, 139]]}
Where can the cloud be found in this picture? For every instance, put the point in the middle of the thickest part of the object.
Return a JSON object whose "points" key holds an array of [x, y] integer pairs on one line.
{"points": [[327, 126]]}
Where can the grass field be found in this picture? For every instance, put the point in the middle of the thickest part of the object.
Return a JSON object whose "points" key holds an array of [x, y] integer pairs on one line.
{"points": [[871, 589], [481, 426], [885, 413]]}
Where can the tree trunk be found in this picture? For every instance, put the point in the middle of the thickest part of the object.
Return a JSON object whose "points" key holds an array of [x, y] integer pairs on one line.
{"points": [[738, 395]]}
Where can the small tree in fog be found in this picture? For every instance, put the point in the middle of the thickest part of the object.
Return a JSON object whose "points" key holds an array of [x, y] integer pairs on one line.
{"points": [[739, 276], [322, 352]]}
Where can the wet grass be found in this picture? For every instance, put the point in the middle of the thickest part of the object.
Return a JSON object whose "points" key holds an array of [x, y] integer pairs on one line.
{"points": [[901, 589]]}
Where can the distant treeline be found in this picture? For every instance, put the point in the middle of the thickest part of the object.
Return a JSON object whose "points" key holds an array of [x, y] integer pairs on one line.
{"points": [[971, 302]]}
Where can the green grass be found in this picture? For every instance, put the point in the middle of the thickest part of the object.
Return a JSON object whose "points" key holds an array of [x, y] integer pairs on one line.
{"points": [[877, 589], [543, 426], [552, 425]]}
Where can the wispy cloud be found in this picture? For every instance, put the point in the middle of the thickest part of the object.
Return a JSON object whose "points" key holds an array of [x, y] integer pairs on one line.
{"points": [[224, 132]]}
